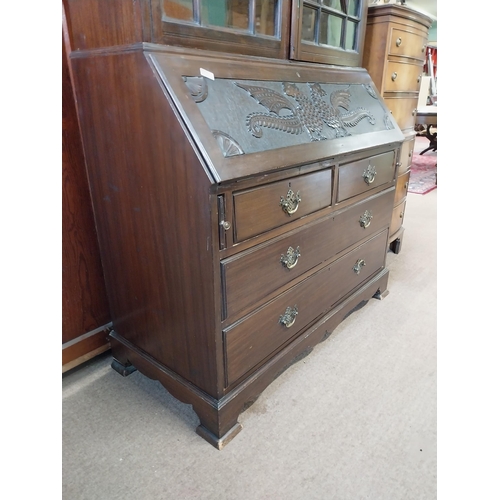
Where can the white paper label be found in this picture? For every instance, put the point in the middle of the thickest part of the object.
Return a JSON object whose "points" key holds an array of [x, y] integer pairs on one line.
{"points": [[207, 74]]}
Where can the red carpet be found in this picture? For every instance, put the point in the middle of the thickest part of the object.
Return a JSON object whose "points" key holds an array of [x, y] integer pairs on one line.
{"points": [[423, 173]]}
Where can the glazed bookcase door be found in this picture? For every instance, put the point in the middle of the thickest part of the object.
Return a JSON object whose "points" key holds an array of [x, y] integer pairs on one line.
{"points": [[253, 27], [328, 31]]}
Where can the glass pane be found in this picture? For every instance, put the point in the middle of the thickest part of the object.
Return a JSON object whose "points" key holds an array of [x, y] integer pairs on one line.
{"points": [[265, 15], [354, 8], [308, 24], [330, 30], [350, 37], [225, 13], [335, 4], [178, 9]]}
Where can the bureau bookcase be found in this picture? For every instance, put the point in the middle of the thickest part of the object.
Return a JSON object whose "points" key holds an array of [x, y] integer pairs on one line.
{"points": [[242, 206]]}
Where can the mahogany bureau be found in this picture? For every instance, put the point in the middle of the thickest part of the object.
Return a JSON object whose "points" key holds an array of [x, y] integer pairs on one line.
{"points": [[243, 210]]}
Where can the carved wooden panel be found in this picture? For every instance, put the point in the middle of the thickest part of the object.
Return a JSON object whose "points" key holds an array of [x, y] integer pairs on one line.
{"points": [[280, 114]]}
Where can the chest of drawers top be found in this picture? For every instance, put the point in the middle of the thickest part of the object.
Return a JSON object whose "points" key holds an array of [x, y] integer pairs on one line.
{"points": [[257, 116]]}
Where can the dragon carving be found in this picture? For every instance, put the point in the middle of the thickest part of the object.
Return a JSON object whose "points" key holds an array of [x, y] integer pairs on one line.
{"points": [[309, 113]]}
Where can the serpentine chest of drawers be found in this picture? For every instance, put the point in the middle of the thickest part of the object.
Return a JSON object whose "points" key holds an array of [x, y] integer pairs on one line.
{"points": [[243, 210], [395, 43]]}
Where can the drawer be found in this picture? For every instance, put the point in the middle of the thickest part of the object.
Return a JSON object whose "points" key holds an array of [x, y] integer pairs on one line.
{"points": [[403, 109], [267, 207], [361, 176], [405, 43], [401, 188], [397, 217], [405, 158], [402, 77], [253, 339], [254, 274]]}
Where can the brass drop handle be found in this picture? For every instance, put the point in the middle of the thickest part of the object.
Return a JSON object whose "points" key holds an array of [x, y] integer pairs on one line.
{"points": [[366, 219], [398, 41], [290, 259], [290, 204], [360, 263], [401, 215], [419, 78], [394, 76], [369, 174], [288, 319]]}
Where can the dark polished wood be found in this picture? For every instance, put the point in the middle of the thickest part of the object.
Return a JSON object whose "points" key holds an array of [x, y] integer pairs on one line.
{"points": [[226, 39], [141, 257], [254, 338], [184, 213], [317, 243], [320, 53], [85, 309], [363, 175], [258, 210], [93, 23]]}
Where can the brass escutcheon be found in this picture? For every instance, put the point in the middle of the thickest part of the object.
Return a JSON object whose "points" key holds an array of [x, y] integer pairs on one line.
{"points": [[369, 174], [366, 219], [360, 263], [288, 319], [290, 204], [291, 258]]}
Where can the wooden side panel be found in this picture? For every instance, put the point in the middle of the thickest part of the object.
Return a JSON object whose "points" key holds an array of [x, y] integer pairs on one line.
{"points": [[96, 23], [84, 302], [375, 52], [153, 215]]}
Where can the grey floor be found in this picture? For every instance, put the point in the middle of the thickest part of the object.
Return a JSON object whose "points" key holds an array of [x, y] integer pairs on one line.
{"points": [[356, 419]]}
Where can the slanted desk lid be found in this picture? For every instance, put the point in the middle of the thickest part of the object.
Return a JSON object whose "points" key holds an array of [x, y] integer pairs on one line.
{"points": [[252, 115]]}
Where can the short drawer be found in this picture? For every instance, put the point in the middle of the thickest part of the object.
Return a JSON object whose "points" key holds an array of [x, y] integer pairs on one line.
{"points": [[405, 43], [401, 188], [267, 207], [402, 77], [360, 176], [254, 274], [406, 155], [403, 109], [397, 217], [257, 336]]}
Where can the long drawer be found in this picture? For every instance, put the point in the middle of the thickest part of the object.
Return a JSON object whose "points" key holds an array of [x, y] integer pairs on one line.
{"points": [[404, 110], [361, 176], [406, 155], [402, 77], [258, 335], [401, 187], [272, 205], [398, 214], [405, 43], [280, 261]]}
